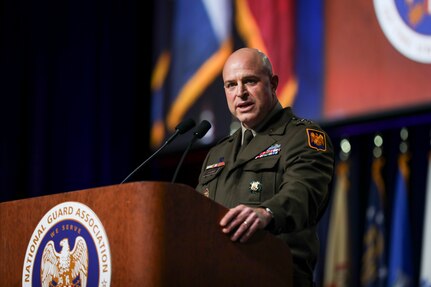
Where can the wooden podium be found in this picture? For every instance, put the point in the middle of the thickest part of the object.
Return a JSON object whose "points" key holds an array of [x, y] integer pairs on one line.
{"points": [[159, 234]]}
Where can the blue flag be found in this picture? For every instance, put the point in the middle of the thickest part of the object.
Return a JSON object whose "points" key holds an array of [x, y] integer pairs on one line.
{"points": [[374, 269], [193, 56], [400, 258]]}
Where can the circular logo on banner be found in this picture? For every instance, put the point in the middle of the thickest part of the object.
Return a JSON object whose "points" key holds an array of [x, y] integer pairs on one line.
{"points": [[69, 247], [407, 25]]}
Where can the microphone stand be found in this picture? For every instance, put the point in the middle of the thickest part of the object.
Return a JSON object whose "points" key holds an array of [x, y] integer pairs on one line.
{"points": [[136, 169], [182, 128], [199, 132], [182, 159]]}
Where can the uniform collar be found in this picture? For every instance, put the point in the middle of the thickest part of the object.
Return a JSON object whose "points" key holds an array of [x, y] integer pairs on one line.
{"points": [[277, 108], [268, 136], [275, 127]]}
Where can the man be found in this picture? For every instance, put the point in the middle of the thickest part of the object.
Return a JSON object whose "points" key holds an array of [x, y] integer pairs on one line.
{"points": [[279, 180]]}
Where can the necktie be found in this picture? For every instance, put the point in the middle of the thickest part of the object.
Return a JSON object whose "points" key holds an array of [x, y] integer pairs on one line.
{"points": [[248, 136]]}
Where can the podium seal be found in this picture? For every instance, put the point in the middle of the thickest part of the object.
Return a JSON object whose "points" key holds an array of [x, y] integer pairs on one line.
{"points": [[68, 247]]}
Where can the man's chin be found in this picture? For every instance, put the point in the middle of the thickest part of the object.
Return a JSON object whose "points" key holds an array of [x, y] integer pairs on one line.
{"points": [[247, 121]]}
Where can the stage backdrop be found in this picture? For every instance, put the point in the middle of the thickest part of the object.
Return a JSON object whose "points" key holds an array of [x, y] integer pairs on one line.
{"points": [[339, 60], [378, 57]]}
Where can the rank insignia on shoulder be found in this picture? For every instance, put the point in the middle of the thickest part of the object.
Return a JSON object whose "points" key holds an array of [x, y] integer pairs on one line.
{"points": [[302, 121], [316, 139], [255, 187], [272, 150]]}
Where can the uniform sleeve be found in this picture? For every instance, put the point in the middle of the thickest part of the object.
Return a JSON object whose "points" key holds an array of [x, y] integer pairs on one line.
{"points": [[307, 169]]}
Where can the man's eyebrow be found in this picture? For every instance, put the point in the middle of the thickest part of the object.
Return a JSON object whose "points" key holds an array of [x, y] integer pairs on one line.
{"points": [[228, 82], [250, 77]]}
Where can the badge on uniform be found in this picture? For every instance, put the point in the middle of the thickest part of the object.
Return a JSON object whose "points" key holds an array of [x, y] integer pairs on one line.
{"points": [[255, 187], [316, 139], [206, 192], [272, 150], [213, 168]]}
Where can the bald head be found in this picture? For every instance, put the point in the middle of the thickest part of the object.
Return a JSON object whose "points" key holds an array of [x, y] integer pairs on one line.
{"points": [[250, 86], [251, 56]]}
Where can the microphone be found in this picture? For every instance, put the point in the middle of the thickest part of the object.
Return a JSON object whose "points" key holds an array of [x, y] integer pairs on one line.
{"points": [[180, 129], [198, 133]]}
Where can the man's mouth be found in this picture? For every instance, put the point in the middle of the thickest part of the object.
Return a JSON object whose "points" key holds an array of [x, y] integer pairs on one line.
{"points": [[244, 107]]}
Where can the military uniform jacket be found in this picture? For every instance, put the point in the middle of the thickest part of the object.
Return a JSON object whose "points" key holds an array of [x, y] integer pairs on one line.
{"points": [[287, 168]]}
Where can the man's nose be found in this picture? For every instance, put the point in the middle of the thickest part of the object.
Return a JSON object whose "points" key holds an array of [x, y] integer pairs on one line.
{"points": [[241, 90]]}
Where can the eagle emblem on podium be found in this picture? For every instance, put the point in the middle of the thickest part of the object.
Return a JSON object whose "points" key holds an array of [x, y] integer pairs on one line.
{"points": [[67, 268]]}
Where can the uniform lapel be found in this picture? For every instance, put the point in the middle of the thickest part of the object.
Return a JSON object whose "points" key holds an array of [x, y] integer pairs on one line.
{"points": [[232, 148], [262, 141]]}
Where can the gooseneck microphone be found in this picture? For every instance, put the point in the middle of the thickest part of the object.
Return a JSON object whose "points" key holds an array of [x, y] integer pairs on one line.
{"points": [[198, 133], [180, 129]]}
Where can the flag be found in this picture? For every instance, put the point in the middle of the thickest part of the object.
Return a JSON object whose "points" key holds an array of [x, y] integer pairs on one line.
{"points": [[425, 275], [400, 257], [337, 257], [198, 45], [193, 39], [310, 58], [270, 27], [161, 64], [374, 268]]}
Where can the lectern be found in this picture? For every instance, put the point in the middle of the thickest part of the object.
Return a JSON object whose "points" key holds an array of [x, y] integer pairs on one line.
{"points": [[134, 234]]}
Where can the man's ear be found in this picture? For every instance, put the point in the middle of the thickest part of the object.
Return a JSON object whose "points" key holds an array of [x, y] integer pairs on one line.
{"points": [[274, 83]]}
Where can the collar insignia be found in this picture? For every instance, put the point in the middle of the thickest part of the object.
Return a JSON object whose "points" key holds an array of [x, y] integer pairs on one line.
{"points": [[316, 139]]}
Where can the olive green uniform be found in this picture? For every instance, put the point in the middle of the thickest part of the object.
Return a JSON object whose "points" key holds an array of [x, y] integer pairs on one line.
{"points": [[287, 168]]}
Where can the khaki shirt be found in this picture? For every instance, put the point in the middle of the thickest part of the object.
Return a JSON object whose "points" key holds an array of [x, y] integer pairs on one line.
{"points": [[287, 167]]}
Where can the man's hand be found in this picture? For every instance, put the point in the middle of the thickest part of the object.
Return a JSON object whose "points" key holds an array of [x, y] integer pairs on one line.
{"points": [[243, 221]]}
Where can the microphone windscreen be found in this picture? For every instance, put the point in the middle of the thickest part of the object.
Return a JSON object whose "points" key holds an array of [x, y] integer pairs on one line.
{"points": [[202, 129], [185, 126]]}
